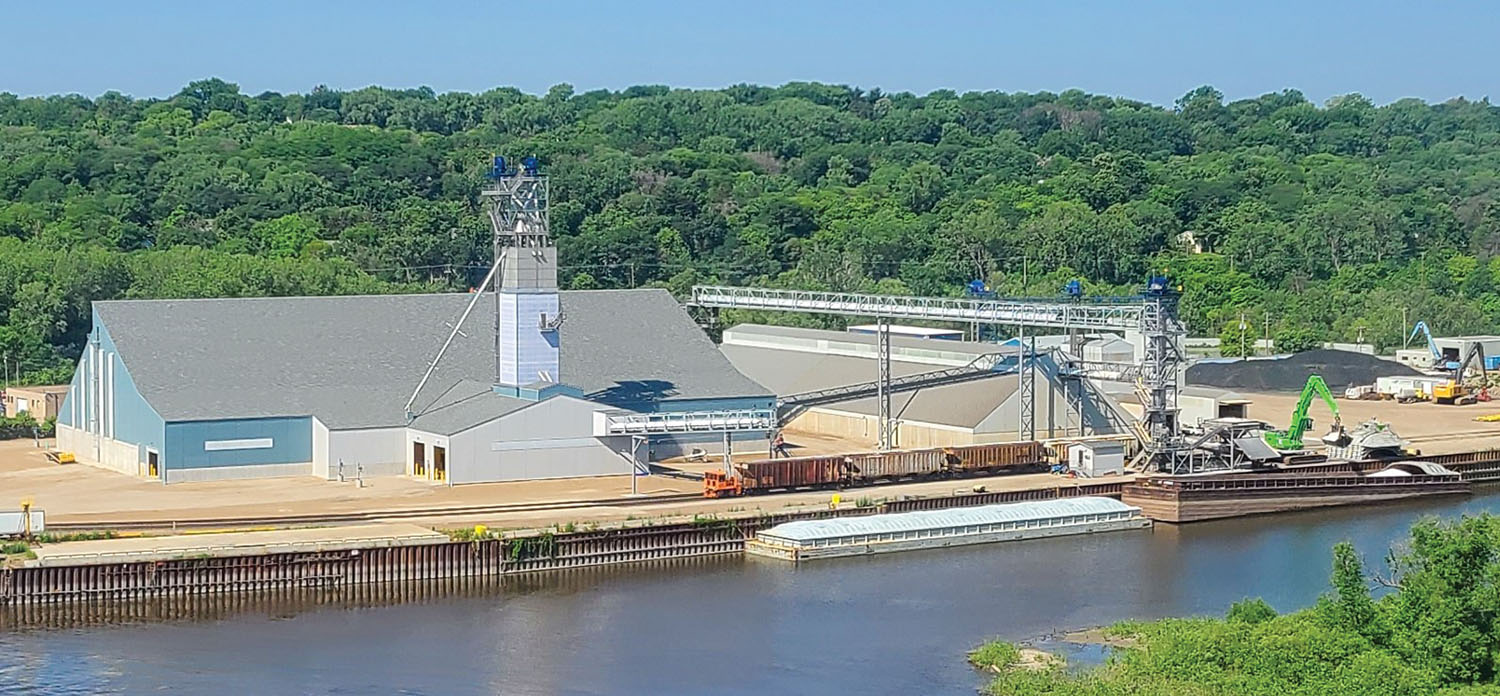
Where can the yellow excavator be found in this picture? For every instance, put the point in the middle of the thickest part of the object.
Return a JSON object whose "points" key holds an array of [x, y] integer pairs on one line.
{"points": [[1456, 391]]}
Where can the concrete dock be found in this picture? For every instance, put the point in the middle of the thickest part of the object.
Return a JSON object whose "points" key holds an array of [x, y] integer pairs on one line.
{"points": [[232, 544]]}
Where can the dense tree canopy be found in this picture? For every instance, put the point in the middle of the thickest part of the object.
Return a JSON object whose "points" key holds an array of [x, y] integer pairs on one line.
{"points": [[1432, 629], [1324, 220]]}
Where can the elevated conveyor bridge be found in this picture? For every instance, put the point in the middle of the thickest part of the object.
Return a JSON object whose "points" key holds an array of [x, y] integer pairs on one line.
{"points": [[1114, 313], [1153, 314]]}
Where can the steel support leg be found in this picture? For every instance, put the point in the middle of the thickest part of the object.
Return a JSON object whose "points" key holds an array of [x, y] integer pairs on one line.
{"points": [[635, 461], [728, 454], [1026, 428], [883, 392], [1073, 388]]}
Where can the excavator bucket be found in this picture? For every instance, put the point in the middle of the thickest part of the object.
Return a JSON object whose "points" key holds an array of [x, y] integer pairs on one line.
{"points": [[1337, 437]]}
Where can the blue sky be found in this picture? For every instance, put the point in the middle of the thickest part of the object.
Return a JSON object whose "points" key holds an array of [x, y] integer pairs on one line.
{"points": [[1149, 50]]}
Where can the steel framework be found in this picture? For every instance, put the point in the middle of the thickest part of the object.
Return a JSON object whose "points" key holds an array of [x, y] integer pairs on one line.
{"points": [[1112, 313], [883, 385], [1154, 315], [679, 422], [520, 225], [641, 427], [982, 367], [1165, 448], [1026, 344]]}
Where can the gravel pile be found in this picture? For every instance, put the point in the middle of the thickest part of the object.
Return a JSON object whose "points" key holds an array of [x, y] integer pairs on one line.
{"points": [[1339, 369]]}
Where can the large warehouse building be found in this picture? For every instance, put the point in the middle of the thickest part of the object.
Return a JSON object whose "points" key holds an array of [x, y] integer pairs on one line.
{"points": [[180, 390]]}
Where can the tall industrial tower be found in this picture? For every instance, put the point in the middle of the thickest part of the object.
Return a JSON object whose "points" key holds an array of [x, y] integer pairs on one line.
{"points": [[527, 312], [1166, 450]]}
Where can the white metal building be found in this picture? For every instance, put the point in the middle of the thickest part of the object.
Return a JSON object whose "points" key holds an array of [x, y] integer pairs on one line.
{"points": [[1094, 458]]}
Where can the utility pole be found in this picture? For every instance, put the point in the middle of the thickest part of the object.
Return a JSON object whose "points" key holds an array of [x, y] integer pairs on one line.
{"points": [[1405, 337], [1243, 354], [1268, 331]]}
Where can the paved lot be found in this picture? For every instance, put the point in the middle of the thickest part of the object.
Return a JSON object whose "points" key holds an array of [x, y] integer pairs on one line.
{"points": [[1433, 428], [81, 494], [233, 544]]}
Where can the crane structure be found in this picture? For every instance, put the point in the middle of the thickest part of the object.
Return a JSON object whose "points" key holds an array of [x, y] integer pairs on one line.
{"points": [[1153, 313], [1290, 440], [1437, 354], [1456, 390]]}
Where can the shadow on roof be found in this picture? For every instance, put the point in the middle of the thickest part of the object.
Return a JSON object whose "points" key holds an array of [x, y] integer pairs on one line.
{"points": [[635, 391]]}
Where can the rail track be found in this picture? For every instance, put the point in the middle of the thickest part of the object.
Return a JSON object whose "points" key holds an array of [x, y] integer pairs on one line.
{"points": [[201, 523]]}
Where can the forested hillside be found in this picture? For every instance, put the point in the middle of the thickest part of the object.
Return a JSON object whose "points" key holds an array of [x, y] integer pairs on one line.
{"points": [[1328, 220]]}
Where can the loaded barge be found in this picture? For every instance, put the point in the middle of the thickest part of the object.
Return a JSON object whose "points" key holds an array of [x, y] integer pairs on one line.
{"points": [[1324, 484], [1213, 496]]}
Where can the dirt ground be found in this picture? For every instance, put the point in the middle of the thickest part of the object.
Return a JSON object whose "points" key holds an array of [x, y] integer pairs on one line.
{"points": [[81, 494], [1432, 428]]}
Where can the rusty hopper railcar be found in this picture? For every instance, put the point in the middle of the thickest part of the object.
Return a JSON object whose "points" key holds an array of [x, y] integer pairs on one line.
{"points": [[846, 469]]}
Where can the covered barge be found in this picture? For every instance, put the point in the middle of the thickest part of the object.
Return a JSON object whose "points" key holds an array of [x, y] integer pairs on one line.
{"points": [[857, 536]]}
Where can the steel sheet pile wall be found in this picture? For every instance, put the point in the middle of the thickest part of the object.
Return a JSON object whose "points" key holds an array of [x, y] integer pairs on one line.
{"points": [[439, 563], [201, 576]]}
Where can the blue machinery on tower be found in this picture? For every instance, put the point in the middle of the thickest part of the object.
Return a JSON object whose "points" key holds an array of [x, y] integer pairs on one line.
{"points": [[523, 281]]}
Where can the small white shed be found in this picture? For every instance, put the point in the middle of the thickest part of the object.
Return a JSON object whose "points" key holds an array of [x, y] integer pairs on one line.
{"points": [[1094, 459], [1109, 349]]}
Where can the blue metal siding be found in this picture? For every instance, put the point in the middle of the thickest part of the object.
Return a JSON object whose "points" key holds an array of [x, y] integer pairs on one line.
{"points": [[291, 442], [73, 397], [136, 421]]}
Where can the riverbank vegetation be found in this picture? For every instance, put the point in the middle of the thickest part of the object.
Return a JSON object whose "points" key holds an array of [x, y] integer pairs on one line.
{"points": [[1316, 222], [1425, 624]]}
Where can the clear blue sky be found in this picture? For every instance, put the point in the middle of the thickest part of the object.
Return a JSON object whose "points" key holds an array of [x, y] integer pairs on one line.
{"points": [[1149, 50]]}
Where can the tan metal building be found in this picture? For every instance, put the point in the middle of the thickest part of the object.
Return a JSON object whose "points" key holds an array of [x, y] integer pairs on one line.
{"points": [[41, 402], [791, 360]]}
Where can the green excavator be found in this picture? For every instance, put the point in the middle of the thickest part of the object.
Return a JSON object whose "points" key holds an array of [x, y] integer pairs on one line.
{"points": [[1290, 440]]}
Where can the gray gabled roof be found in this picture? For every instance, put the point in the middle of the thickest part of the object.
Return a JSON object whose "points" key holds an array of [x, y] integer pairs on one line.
{"points": [[464, 405], [352, 361]]}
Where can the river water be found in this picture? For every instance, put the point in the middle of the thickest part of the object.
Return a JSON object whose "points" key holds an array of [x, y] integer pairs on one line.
{"points": [[896, 624]]}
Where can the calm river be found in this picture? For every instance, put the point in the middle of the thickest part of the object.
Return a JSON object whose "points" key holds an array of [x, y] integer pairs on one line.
{"points": [[887, 625]]}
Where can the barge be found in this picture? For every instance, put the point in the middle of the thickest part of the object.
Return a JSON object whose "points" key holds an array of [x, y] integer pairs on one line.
{"points": [[1213, 496], [805, 540]]}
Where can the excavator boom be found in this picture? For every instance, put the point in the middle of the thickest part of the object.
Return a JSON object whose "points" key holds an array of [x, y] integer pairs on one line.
{"points": [[1421, 328], [1291, 438]]}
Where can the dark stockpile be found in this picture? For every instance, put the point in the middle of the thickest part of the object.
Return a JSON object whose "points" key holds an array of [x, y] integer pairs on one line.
{"points": [[1339, 369]]}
